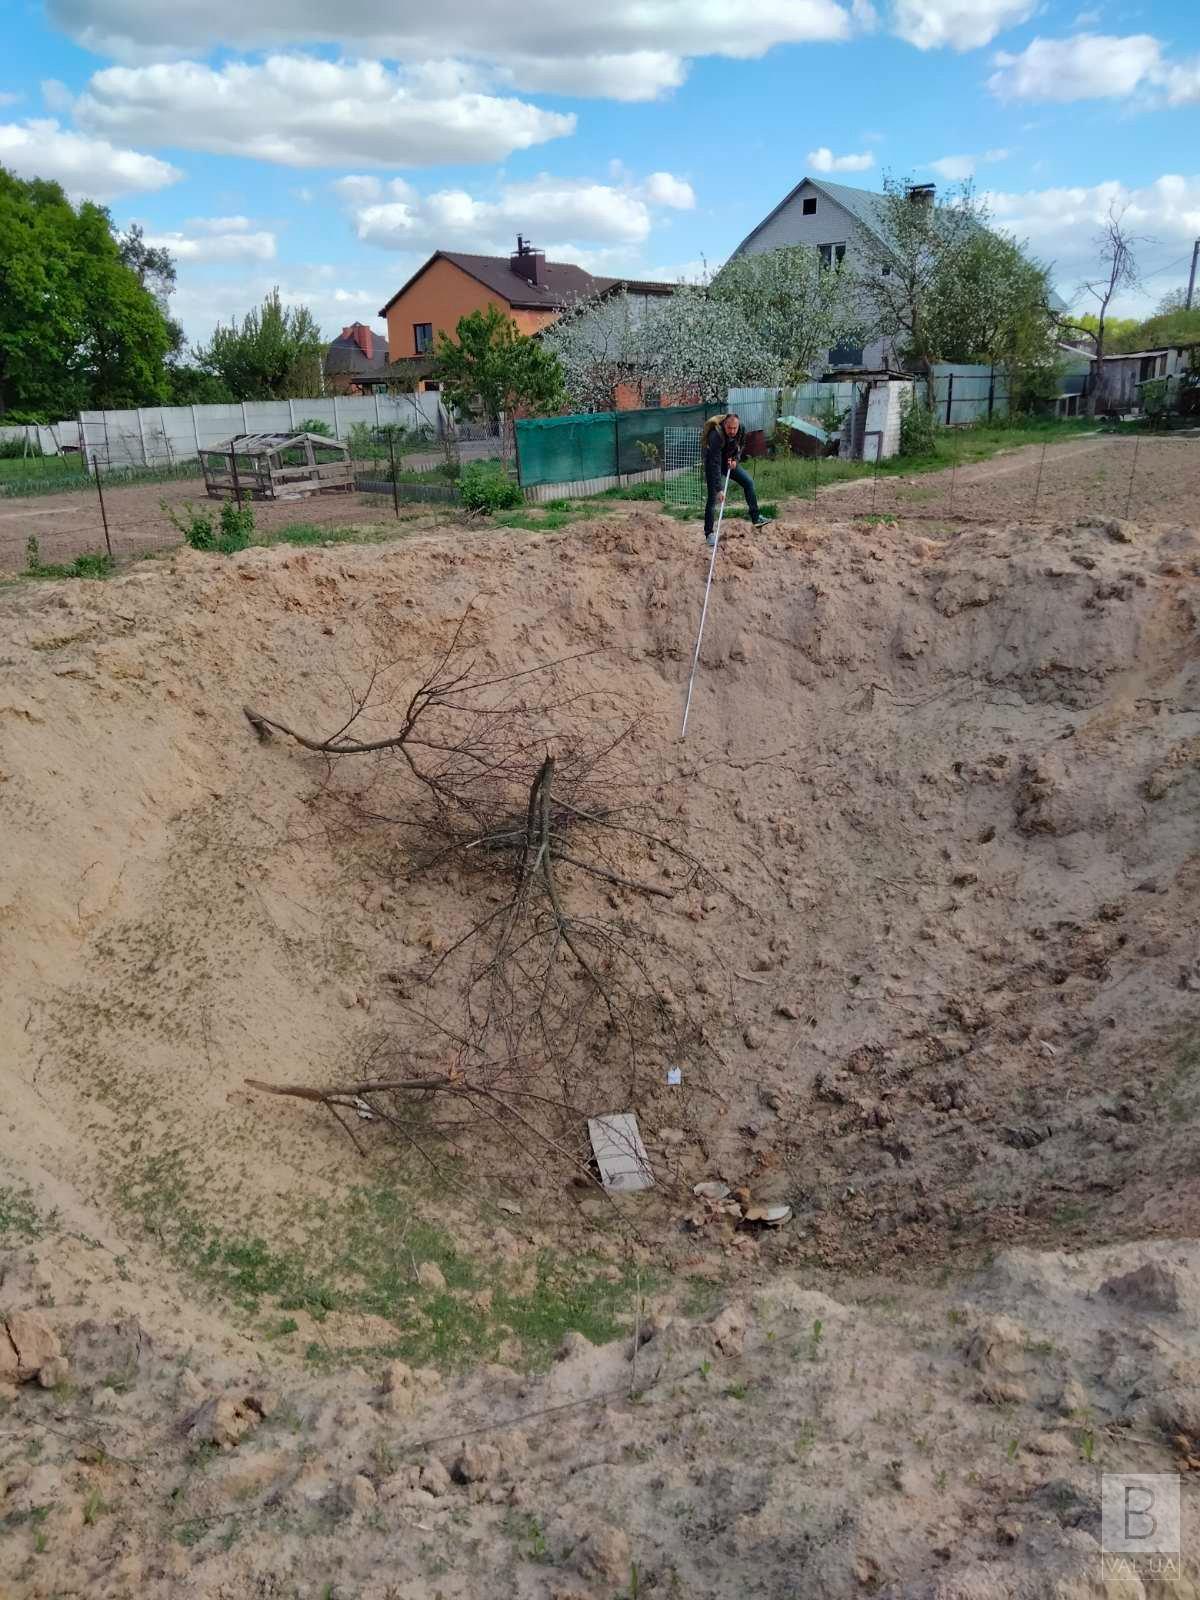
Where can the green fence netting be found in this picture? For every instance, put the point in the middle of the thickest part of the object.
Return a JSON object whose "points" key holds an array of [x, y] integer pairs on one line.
{"points": [[601, 444]]}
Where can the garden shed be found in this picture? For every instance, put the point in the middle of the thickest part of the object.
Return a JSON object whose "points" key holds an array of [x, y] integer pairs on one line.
{"points": [[277, 466]]}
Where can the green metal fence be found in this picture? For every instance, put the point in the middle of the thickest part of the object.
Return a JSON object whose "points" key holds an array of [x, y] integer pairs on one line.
{"points": [[602, 444]]}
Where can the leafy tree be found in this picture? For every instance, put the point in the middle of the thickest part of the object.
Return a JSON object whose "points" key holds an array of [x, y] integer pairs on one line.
{"points": [[77, 328], [995, 308], [597, 345], [798, 308], [918, 247], [274, 353], [697, 347], [189, 385], [491, 368]]}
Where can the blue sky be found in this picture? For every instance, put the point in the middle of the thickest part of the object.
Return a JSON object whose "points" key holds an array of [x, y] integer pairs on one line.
{"points": [[330, 148]]}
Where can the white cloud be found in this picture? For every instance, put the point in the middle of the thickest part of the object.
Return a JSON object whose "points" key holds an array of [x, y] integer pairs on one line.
{"points": [[299, 111], [629, 49], [955, 168], [7, 99], [664, 189], [1061, 223], [824, 160], [218, 224], [959, 24], [958, 168], [57, 97], [636, 75], [1181, 84], [207, 240], [556, 212], [88, 169], [1087, 66]]}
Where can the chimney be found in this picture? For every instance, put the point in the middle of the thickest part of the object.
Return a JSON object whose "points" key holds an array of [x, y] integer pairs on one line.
{"points": [[364, 339], [528, 263], [921, 194]]}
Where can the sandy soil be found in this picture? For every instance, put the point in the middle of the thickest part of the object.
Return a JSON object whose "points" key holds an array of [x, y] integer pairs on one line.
{"points": [[946, 788]]}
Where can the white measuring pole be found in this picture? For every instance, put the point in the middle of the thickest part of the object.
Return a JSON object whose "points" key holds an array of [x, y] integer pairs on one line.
{"points": [[704, 611]]}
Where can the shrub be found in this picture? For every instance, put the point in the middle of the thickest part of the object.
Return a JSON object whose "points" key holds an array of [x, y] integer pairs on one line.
{"points": [[237, 527], [315, 425], [485, 487], [234, 531], [33, 554], [19, 449], [918, 430]]}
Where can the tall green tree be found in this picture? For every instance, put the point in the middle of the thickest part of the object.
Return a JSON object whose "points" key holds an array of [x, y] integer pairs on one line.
{"points": [[917, 246], [995, 308], [491, 368], [273, 353], [77, 328]]}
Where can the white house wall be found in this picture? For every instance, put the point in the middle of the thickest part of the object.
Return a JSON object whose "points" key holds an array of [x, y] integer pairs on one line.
{"points": [[830, 224]]}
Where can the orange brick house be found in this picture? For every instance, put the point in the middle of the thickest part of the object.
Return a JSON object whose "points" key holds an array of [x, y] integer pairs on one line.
{"points": [[530, 289]]}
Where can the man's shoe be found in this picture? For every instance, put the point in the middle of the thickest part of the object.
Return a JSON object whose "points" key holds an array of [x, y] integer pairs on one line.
{"points": [[710, 540], [759, 521]]}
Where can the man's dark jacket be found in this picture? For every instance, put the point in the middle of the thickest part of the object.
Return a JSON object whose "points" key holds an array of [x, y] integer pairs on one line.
{"points": [[722, 454]]}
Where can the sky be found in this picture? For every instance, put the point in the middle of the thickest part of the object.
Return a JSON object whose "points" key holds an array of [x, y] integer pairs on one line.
{"points": [[330, 148]]}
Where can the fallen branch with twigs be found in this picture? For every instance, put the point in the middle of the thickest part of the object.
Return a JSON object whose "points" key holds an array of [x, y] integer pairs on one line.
{"points": [[548, 1004]]}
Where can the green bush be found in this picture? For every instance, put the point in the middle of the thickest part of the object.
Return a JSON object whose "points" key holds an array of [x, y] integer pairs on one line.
{"points": [[483, 486], [315, 425], [918, 430], [237, 527], [233, 531], [19, 449]]}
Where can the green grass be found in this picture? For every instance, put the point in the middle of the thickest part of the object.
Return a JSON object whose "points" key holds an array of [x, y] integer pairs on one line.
{"points": [[795, 477], [358, 1253], [89, 566], [66, 474], [19, 1217]]}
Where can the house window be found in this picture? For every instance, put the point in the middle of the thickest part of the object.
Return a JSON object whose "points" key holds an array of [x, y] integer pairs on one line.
{"points": [[422, 337], [846, 355], [831, 255], [809, 205]]}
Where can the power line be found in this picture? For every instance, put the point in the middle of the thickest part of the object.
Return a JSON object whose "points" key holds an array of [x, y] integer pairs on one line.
{"points": [[1171, 265]]}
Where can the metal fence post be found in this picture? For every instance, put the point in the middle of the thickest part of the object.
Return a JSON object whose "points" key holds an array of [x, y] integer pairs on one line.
{"points": [[949, 397], [103, 512], [196, 433], [337, 427], [142, 437], [395, 485], [991, 392], [237, 482]]}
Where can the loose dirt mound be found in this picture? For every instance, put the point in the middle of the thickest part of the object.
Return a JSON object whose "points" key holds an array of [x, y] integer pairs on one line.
{"points": [[948, 789]]}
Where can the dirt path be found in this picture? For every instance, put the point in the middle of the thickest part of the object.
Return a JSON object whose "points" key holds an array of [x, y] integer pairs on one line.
{"points": [[1098, 477]]}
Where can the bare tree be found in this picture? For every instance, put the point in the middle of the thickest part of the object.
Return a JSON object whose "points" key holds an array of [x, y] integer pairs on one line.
{"points": [[1118, 270]]}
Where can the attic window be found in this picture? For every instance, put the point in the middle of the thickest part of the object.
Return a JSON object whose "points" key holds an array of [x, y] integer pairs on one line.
{"points": [[809, 205]]}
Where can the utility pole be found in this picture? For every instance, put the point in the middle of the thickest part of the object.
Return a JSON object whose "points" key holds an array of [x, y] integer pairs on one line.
{"points": [[1192, 276]]}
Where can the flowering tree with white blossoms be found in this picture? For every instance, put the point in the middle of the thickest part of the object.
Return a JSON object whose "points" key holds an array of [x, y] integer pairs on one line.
{"points": [[598, 344], [797, 308], [697, 347]]}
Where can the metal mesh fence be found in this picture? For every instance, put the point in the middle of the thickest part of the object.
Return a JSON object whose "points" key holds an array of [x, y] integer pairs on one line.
{"points": [[683, 469], [604, 445]]}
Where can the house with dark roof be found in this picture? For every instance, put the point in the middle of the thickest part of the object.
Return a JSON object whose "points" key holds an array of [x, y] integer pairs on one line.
{"points": [[450, 285], [832, 217], [356, 362]]}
